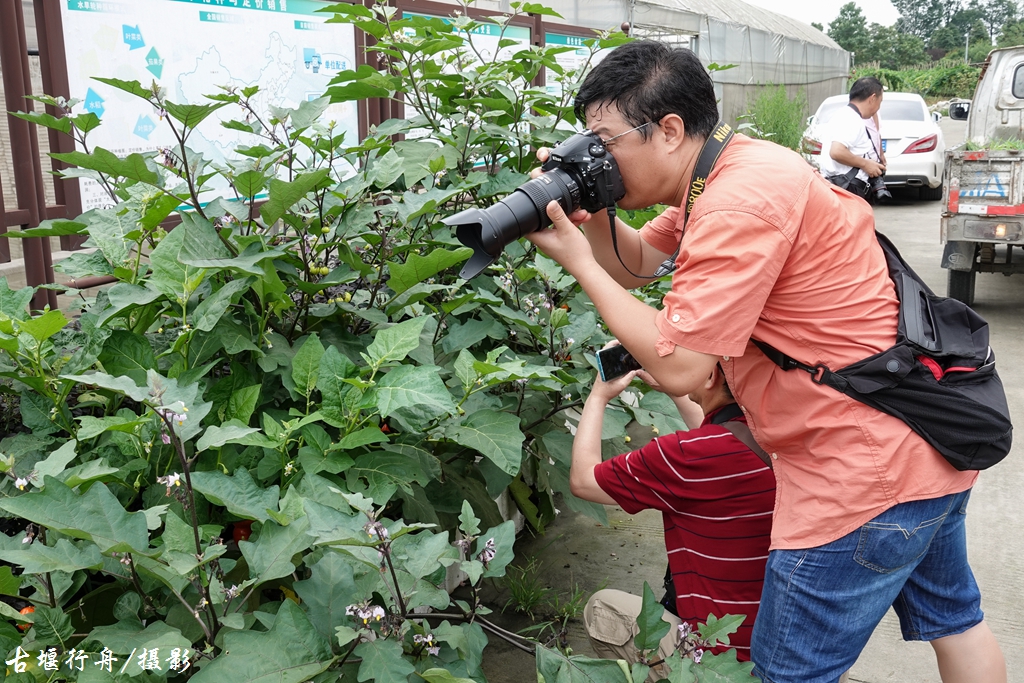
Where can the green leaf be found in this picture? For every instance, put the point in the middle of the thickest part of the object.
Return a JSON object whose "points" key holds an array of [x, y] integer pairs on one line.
{"points": [[292, 651], [363, 437], [132, 167], [55, 463], [191, 115], [418, 268], [242, 404], [329, 525], [52, 228], [420, 553], [238, 493], [504, 536], [124, 296], [681, 668], [330, 589], [383, 662], [250, 183], [557, 668], [62, 124], [651, 622], [723, 668], [467, 334], [384, 473], [394, 343], [334, 369], [195, 238], [44, 326], [209, 311], [657, 410], [96, 516], [717, 630], [130, 87], [126, 637], [464, 369], [284, 195], [14, 303], [86, 122], [125, 353], [9, 583], [468, 521], [270, 557], [52, 626], [122, 385], [442, 676], [108, 230], [218, 435], [37, 558], [493, 434], [306, 365], [415, 387], [387, 169]]}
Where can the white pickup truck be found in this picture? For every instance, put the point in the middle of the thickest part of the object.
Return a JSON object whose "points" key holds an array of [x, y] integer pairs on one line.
{"points": [[983, 204]]}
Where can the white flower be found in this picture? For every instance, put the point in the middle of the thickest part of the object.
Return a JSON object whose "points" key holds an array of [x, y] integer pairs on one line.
{"points": [[289, 468], [684, 629], [376, 531], [697, 655], [488, 553], [21, 483], [232, 593], [366, 612]]}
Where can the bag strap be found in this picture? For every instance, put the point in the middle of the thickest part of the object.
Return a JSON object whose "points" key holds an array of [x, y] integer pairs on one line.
{"points": [[742, 432]]}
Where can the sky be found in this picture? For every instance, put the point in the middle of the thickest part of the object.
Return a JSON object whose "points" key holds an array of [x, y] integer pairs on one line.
{"points": [[824, 11]]}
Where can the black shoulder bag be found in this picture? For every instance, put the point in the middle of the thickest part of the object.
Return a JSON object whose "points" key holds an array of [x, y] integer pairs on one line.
{"points": [[940, 377]]}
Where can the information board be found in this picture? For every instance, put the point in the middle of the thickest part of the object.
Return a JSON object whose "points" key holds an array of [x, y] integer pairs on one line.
{"points": [[570, 59], [190, 47]]}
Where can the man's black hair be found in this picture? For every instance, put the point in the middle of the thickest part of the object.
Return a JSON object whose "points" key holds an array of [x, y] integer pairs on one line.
{"points": [[647, 80], [864, 88]]}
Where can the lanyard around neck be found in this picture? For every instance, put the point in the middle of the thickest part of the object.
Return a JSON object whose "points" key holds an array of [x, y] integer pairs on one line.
{"points": [[709, 154]]}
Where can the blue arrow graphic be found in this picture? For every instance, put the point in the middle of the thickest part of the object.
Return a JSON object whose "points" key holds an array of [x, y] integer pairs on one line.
{"points": [[132, 37], [154, 63], [144, 126], [94, 103]]}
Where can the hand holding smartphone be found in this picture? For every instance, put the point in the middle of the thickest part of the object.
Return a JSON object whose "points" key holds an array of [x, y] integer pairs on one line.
{"points": [[615, 361]]}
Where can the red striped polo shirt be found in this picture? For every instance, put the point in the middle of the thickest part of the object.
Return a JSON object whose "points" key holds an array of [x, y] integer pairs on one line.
{"points": [[717, 499]]}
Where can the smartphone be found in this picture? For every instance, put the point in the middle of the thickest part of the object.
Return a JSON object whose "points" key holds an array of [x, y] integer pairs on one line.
{"points": [[615, 361]]}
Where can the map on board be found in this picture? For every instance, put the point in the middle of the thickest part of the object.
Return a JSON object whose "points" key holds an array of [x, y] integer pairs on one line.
{"points": [[190, 48]]}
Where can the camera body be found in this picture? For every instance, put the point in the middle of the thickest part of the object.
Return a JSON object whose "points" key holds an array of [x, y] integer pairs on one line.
{"points": [[580, 173], [877, 191], [593, 169]]}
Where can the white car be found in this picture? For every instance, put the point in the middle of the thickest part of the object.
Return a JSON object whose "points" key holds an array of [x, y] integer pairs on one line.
{"points": [[911, 140]]}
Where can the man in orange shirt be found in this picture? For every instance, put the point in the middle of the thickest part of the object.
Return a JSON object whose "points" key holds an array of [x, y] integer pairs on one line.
{"points": [[867, 514]]}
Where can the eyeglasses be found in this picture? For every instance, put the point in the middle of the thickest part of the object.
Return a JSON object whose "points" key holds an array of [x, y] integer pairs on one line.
{"points": [[607, 142]]}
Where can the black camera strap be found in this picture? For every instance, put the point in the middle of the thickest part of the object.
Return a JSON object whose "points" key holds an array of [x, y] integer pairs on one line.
{"points": [[709, 154]]}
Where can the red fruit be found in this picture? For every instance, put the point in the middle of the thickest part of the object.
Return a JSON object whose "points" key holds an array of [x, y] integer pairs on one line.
{"points": [[242, 530], [26, 610]]}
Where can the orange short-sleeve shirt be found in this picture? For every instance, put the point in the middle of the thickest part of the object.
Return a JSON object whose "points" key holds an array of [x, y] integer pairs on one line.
{"points": [[773, 251]]}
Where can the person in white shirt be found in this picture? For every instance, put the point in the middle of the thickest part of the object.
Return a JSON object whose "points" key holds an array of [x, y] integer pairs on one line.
{"points": [[847, 142]]}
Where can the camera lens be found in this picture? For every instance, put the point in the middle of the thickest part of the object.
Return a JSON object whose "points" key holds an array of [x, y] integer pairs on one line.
{"points": [[487, 231]]}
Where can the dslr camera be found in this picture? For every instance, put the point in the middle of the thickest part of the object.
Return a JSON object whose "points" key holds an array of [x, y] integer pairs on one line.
{"points": [[877, 192], [580, 173]]}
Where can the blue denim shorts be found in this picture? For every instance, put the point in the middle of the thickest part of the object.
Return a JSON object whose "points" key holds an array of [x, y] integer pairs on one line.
{"points": [[821, 605]]}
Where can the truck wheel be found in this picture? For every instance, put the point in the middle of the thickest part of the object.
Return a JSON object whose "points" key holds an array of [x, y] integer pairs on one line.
{"points": [[960, 286], [931, 194]]}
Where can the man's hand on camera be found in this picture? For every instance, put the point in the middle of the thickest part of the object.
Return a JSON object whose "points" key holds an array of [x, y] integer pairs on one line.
{"points": [[564, 242], [579, 215], [873, 168]]}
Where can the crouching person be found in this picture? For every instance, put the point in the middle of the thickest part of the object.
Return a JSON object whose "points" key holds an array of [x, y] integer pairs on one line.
{"points": [[716, 496]]}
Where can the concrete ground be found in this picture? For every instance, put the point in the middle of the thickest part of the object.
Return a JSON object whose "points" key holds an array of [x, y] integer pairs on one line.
{"points": [[630, 550]]}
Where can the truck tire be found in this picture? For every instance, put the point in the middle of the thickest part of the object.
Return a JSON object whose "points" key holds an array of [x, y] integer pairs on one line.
{"points": [[932, 194], [960, 286]]}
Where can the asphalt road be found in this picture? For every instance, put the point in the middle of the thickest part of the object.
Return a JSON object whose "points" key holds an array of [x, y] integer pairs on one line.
{"points": [[576, 551]]}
